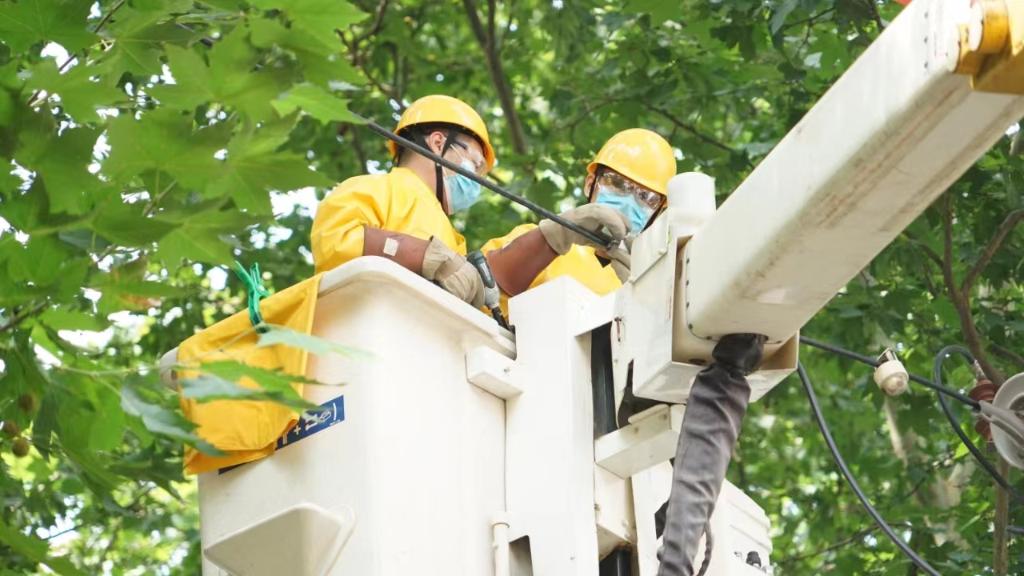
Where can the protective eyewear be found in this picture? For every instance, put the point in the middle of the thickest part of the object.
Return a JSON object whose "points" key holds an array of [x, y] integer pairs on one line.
{"points": [[622, 185], [479, 165]]}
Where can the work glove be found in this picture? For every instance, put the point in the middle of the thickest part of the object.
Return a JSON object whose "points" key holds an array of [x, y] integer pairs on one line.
{"points": [[739, 353], [619, 261], [594, 217], [453, 272]]}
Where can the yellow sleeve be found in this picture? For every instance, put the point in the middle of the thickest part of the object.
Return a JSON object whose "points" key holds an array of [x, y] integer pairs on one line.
{"points": [[499, 243], [337, 234]]}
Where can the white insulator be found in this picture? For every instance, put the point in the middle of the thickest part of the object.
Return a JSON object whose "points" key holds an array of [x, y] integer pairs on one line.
{"points": [[891, 375]]}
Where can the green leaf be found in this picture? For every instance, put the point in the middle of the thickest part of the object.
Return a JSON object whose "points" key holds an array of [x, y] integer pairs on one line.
{"points": [[164, 140], [124, 224], [64, 319], [108, 426], [316, 102], [82, 89], [780, 15], [193, 83], [194, 245], [286, 336], [207, 387], [317, 18], [39, 262], [230, 78], [35, 550], [45, 422], [252, 167], [659, 10], [269, 380], [139, 36], [322, 65], [162, 421], [62, 163], [28, 22]]}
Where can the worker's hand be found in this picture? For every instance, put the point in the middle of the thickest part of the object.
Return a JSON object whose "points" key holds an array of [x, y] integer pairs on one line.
{"points": [[595, 217], [619, 258], [453, 272], [739, 353]]}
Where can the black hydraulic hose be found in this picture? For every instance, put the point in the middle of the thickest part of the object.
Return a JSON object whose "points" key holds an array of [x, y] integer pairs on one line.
{"points": [[529, 205], [936, 386], [848, 475], [940, 358]]}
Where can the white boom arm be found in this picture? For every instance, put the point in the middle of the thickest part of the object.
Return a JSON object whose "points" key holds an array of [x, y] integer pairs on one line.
{"points": [[889, 137]]}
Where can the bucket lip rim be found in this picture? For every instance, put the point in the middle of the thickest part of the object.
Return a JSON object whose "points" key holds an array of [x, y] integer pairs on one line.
{"points": [[377, 268]]}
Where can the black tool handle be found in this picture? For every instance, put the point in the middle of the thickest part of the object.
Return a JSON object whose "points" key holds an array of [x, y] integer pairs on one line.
{"points": [[479, 261]]}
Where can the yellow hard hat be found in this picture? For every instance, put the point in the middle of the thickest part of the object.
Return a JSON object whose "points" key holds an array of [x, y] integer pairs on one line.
{"points": [[440, 108], [640, 155]]}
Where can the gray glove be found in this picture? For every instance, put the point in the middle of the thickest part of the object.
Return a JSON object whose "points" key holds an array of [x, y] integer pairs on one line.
{"points": [[620, 263], [453, 272], [595, 217]]}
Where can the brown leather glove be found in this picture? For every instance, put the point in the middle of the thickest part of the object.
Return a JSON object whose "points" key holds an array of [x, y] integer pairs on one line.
{"points": [[453, 272]]}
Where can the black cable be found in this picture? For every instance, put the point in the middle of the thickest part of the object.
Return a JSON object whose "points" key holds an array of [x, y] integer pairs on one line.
{"points": [[937, 386], [940, 358], [873, 362], [841, 463], [528, 204]]}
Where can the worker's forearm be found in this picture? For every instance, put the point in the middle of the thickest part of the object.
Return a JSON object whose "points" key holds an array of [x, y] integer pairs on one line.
{"points": [[516, 265], [406, 250]]}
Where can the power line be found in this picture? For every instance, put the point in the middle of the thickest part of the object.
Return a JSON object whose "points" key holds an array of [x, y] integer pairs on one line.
{"points": [[848, 475]]}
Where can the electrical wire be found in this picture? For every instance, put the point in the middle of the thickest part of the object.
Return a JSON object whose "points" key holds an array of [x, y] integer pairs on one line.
{"points": [[940, 358], [848, 475], [528, 204], [942, 391], [873, 362]]}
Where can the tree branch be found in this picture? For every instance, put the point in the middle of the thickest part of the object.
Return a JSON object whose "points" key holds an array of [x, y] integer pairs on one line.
{"points": [[378, 20], [1006, 354], [993, 246], [931, 254], [812, 20], [22, 316], [497, 72], [875, 14], [961, 298], [692, 130]]}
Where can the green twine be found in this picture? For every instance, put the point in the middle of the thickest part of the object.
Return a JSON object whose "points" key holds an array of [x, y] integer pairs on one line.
{"points": [[254, 291]]}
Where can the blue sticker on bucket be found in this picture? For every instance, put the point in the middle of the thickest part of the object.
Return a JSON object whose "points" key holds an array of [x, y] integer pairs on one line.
{"points": [[328, 414], [312, 421]]}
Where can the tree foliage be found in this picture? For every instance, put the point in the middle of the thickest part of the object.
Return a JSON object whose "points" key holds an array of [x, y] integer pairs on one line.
{"points": [[151, 142]]}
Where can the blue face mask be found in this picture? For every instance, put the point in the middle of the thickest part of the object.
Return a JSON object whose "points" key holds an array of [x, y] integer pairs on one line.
{"points": [[638, 214], [462, 192]]}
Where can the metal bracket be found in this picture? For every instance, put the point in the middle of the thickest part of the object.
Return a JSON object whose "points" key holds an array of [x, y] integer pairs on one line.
{"points": [[992, 46]]}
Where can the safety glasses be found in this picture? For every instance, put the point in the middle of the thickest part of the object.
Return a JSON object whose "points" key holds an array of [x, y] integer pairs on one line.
{"points": [[617, 182], [479, 165]]}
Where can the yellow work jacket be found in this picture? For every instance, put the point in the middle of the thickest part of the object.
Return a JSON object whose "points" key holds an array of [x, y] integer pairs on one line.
{"points": [[398, 201], [579, 263], [246, 430]]}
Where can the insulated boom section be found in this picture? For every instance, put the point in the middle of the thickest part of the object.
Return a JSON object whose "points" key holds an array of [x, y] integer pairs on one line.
{"points": [[887, 139]]}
